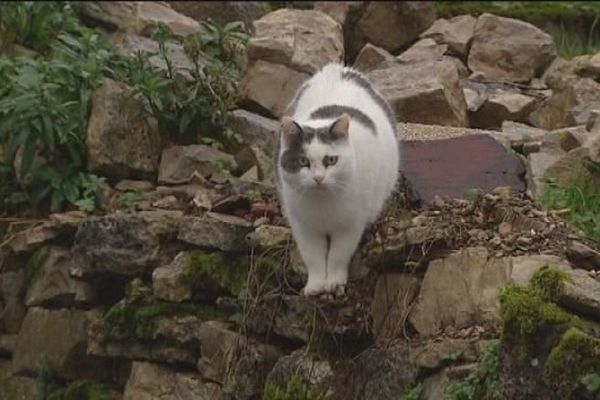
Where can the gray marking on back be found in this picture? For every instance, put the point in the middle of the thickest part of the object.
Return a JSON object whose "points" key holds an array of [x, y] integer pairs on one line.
{"points": [[336, 111], [364, 83]]}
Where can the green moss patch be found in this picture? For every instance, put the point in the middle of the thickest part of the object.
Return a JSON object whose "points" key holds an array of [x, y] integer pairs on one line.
{"points": [[215, 274], [576, 355], [549, 283], [139, 321], [296, 389]]}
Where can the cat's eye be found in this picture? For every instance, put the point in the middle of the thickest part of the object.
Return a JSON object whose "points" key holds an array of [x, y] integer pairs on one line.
{"points": [[303, 162], [330, 160]]}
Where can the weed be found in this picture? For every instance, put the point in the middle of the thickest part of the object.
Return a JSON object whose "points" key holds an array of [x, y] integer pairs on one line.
{"points": [[591, 382], [128, 199], [295, 390], [414, 393]]}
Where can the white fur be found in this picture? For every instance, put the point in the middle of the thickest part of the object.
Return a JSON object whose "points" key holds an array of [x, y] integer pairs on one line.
{"points": [[354, 190]]}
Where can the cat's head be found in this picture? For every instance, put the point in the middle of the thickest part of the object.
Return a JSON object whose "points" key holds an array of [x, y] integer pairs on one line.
{"points": [[316, 156]]}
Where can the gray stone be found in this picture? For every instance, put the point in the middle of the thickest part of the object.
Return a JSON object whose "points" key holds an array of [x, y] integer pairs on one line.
{"points": [[433, 354], [152, 381], [217, 231], [428, 92], [255, 129], [121, 142], [269, 236], [179, 163], [168, 282], [509, 49], [456, 32], [301, 363], [372, 57], [502, 106], [62, 345], [582, 294], [424, 50]]}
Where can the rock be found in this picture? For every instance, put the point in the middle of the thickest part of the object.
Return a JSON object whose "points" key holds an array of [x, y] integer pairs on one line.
{"points": [[582, 256], [302, 40], [459, 291], [217, 231], [6, 371], [152, 381], [231, 359], [12, 309], [371, 57], [129, 45], [269, 236], [379, 374], [7, 345], [312, 371], [537, 165], [422, 132], [502, 106], [520, 133], [427, 92], [391, 26], [509, 50], [439, 167], [168, 283], [57, 225], [53, 286], [223, 12], [18, 388], [433, 354], [434, 386], [582, 294], [140, 17], [179, 163], [255, 129], [423, 50], [62, 345], [338, 10], [270, 86], [393, 297], [253, 156], [121, 142], [123, 244], [127, 185], [456, 32]]}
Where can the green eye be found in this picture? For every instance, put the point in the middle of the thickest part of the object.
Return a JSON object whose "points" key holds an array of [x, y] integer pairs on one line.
{"points": [[303, 162], [330, 160]]}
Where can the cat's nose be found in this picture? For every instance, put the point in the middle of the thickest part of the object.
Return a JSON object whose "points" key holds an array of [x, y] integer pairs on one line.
{"points": [[318, 178]]}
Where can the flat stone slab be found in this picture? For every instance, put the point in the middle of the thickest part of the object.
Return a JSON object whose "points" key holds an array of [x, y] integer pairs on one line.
{"points": [[451, 167]]}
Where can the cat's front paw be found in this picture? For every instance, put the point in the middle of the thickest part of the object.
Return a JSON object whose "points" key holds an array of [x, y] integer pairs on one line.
{"points": [[314, 288]]}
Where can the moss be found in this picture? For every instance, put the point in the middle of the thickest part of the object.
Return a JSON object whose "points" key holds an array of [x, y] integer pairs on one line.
{"points": [[549, 283], [576, 355], [139, 321], [217, 273], [34, 265], [526, 315], [296, 389]]}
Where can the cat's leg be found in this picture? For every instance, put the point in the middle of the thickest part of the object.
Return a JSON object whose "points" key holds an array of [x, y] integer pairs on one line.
{"points": [[342, 247], [313, 249]]}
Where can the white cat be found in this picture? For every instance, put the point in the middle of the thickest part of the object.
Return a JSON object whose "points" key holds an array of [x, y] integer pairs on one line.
{"points": [[337, 165]]}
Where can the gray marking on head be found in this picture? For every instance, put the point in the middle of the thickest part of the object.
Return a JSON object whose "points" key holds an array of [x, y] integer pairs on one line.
{"points": [[336, 111], [291, 108], [364, 83]]}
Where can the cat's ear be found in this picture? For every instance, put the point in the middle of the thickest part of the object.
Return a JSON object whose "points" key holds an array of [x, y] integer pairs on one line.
{"points": [[340, 127], [289, 129]]}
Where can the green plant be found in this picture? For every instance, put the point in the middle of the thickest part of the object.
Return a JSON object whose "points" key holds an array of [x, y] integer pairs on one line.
{"points": [[128, 199], [45, 386], [188, 102], [414, 393], [591, 382], [296, 389], [582, 199]]}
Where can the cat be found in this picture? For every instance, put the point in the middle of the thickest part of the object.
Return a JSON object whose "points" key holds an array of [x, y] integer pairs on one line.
{"points": [[337, 165]]}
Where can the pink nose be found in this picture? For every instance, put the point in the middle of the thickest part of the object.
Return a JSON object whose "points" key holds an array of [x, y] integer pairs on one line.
{"points": [[318, 178]]}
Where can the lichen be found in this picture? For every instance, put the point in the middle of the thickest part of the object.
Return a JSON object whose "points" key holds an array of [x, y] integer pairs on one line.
{"points": [[549, 283], [217, 273], [526, 315], [139, 321], [576, 355]]}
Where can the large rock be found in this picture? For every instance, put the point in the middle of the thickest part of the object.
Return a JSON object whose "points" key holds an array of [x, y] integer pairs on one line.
{"points": [[461, 290], [303, 40], [500, 106], [18, 388], [428, 92], [58, 338], [53, 286], [256, 130], [309, 368], [582, 294], [389, 25], [121, 142], [216, 231], [372, 57], [223, 11], [508, 49], [424, 50], [12, 309], [433, 354], [178, 164], [140, 17], [152, 381], [439, 167], [456, 32], [124, 244]]}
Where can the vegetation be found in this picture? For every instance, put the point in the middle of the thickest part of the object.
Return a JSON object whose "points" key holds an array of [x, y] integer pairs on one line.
{"points": [[45, 101], [296, 389], [582, 199], [482, 385]]}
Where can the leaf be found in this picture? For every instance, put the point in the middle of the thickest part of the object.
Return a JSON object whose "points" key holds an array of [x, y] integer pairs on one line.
{"points": [[70, 190], [57, 200], [28, 154]]}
